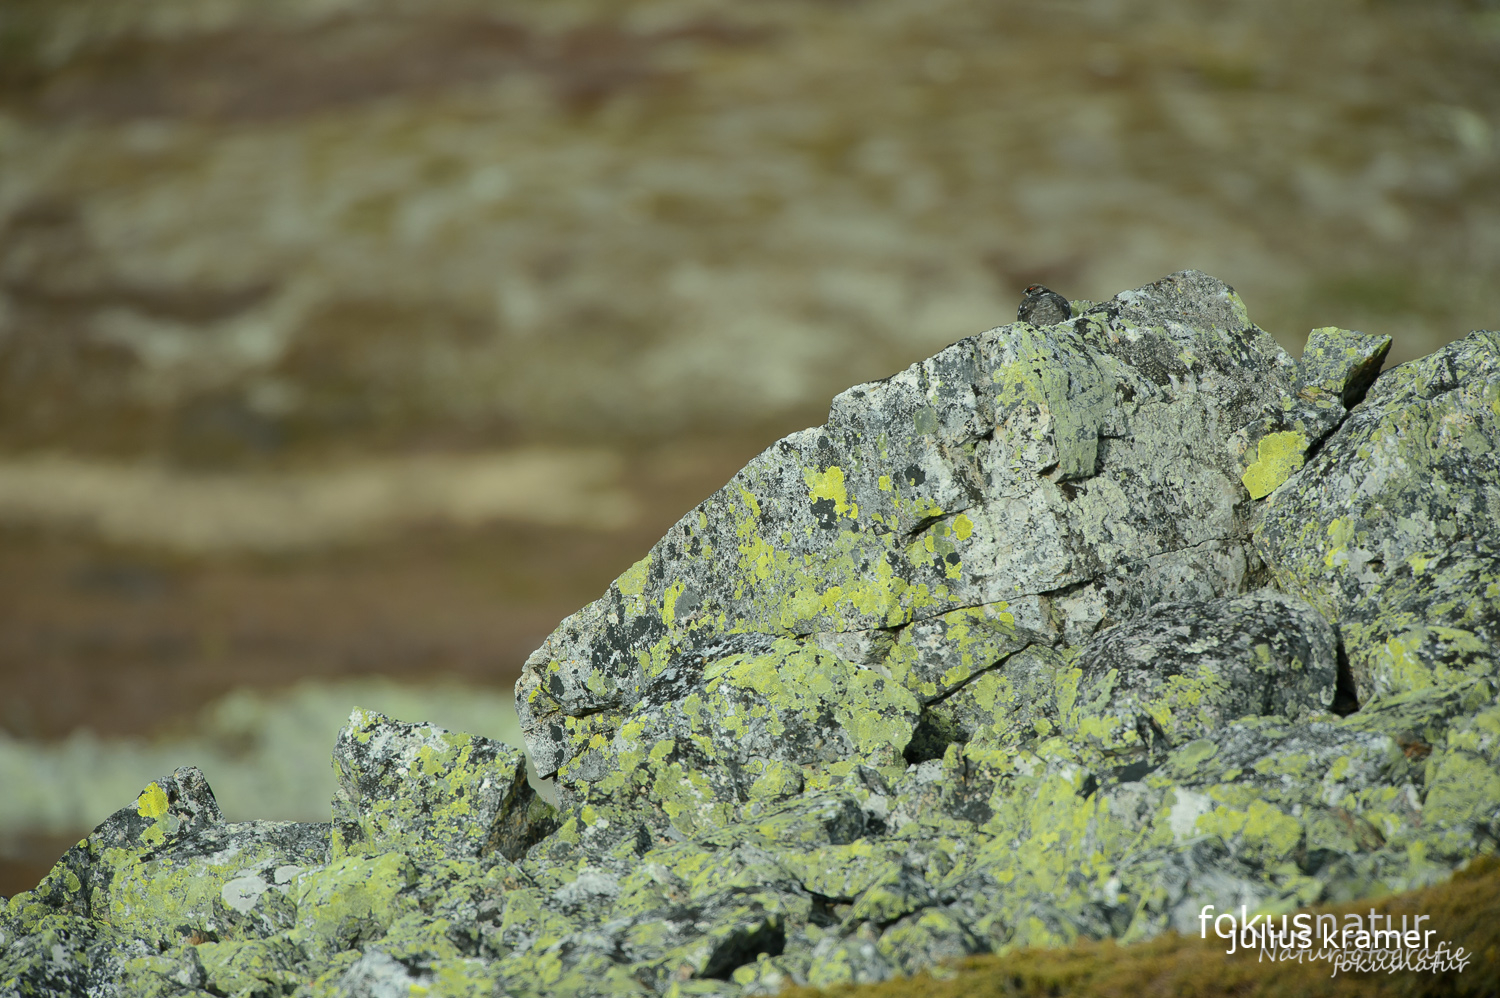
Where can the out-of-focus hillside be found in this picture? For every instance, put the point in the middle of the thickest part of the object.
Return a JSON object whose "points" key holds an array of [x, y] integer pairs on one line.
{"points": [[237, 229], [342, 337]]}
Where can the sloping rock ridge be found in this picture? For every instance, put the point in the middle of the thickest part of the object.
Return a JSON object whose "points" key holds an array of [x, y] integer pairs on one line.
{"points": [[1060, 633]]}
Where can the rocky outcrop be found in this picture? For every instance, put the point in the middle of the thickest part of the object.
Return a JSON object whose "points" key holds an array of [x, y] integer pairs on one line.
{"points": [[1062, 632]]}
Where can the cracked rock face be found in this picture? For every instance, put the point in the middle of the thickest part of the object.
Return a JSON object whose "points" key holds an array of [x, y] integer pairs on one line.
{"points": [[1062, 632], [1393, 528], [1023, 489]]}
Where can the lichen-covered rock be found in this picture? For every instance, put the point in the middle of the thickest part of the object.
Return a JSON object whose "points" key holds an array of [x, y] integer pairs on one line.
{"points": [[430, 793], [160, 875], [1337, 367], [1060, 633], [1182, 671], [167, 898], [1393, 530], [1063, 478]]}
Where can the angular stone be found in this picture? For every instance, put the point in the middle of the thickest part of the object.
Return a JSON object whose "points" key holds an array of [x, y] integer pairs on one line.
{"points": [[169, 867], [1336, 369], [431, 793], [1344, 362], [1393, 529], [1182, 671]]}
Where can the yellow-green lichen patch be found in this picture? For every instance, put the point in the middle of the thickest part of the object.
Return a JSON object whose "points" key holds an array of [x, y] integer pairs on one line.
{"points": [[155, 896], [1181, 671], [850, 584], [633, 581], [1391, 538], [775, 779], [1261, 833], [935, 656], [204, 877], [1018, 700], [1061, 382], [1278, 456], [152, 803], [1044, 834], [1337, 360], [1420, 657], [802, 684], [840, 871], [431, 941], [154, 975], [252, 966], [1191, 757], [1463, 778], [353, 898], [776, 713], [828, 486]]}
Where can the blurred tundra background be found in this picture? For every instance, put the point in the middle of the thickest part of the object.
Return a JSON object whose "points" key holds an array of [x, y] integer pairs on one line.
{"points": [[348, 345]]}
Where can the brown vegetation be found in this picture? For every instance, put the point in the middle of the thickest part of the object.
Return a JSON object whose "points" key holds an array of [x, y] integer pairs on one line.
{"points": [[1465, 911]]}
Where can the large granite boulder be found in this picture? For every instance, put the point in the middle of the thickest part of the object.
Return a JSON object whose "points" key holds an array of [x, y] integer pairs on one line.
{"points": [[1062, 632]]}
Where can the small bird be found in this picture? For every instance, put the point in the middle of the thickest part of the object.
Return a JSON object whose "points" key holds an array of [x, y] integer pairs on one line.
{"points": [[1043, 307]]}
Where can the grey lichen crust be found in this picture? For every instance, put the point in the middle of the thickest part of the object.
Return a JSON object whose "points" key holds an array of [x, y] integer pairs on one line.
{"points": [[1062, 632]]}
